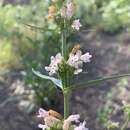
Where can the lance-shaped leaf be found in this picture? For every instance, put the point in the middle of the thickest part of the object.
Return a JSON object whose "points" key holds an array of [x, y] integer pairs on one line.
{"points": [[32, 26], [57, 82], [86, 83]]}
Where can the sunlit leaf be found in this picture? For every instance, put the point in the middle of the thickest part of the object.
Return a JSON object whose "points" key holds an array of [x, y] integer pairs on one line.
{"points": [[57, 82]]}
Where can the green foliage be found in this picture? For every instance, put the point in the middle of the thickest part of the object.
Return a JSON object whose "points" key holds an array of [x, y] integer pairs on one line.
{"points": [[43, 41], [110, 15], [7, 56], [24, 47], [116, 15]]}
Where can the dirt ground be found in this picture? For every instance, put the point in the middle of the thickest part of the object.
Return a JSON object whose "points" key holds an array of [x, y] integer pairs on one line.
{"points": [[111, 55]]}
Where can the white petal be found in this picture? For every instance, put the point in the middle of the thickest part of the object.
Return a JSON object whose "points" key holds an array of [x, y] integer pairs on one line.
{"points": [[86, 57], [78, 71], [43, 127]]}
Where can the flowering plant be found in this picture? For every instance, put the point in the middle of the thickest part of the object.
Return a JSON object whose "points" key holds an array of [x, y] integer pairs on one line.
{"points": [[64, 66]]}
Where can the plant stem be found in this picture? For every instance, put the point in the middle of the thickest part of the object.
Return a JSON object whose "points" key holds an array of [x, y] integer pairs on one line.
{"points": [[66, 104], [63, 38], [125, 123], [65, 78]]}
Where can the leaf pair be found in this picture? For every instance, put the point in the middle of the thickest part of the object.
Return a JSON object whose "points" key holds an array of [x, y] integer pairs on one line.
{"points": [[82, 84]]}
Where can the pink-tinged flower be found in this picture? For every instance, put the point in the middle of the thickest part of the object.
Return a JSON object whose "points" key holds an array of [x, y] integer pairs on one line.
{"points": [[43, 127], [42, 113], [76, 24], [81, 126], [69, 120], [86, 57], [73, 118], [48, 119], [74, 59], [68, 11], [55, 61]]}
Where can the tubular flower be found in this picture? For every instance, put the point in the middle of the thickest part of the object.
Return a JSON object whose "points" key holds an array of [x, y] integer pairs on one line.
{"points": [[86, 57], [55, 61], [42, 113], [76, 60], [69, 120], [48, 119], [76, 24], [81, 126]]}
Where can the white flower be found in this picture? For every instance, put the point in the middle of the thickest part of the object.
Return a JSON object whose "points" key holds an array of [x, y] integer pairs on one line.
{"points": [[47, 118], [77, 71], [53, 67], [81, 126], [71, 118], [86, 57], [42, 113], [74, 59], [77, 60], [76, 24], [74, 118], [43, 127]]}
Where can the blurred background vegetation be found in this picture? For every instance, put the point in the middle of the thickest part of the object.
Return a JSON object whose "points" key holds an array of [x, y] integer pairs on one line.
{"points": [[27, 39]]}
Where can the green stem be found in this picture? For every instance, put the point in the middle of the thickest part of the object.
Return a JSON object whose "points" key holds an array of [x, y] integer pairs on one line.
{"points": [[63, 38], [65, 77], [62, 46], [66, 94], [125, 124], [66, 104]]}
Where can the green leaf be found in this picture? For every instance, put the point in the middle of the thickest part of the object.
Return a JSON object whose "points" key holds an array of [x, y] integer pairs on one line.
{"points": [[85, 84], [57, 82]]}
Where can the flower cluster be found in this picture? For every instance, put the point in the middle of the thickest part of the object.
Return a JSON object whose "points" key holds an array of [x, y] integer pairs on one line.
{"points": [[76, 24], [66, 11], [51, 118], [75, 60], [53, 67]]}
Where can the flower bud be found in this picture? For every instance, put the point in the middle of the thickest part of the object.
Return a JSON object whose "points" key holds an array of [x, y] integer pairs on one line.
{"points": [[51, 9], [50, 18]]}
